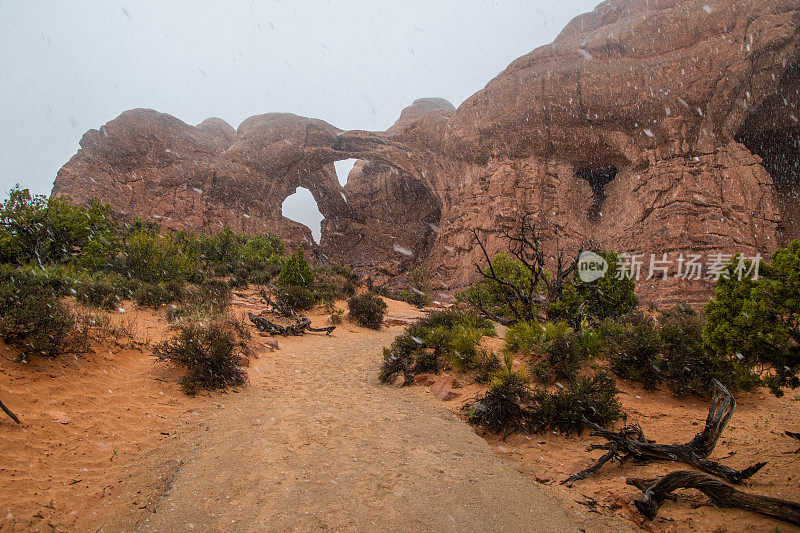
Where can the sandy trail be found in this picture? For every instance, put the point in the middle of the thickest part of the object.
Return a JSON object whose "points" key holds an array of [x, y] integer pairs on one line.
{"points": [[316, 443]]}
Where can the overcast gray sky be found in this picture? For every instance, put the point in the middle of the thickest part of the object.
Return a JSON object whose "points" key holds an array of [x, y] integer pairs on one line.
{"points": [[66, 67]]}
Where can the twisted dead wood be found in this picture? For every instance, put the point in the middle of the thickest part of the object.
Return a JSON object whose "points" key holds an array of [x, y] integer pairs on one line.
{"points": [[301, 325], [720, 493], [630, 442]]}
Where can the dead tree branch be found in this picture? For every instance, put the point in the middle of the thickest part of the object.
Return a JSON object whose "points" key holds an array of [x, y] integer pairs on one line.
{"points": [[630, 442], [530, 299], [277, 308], [7, 411], [721, 494], [301, 325]]}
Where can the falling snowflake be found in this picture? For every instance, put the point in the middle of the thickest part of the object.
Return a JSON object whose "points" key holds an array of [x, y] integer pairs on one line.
{"points": [[402, 250]]}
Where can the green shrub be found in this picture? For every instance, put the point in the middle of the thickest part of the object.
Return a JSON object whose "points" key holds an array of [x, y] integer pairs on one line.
{"points": [[334, 283], [691, 366], [222, 249], [336, 316], [758, 321], [212, 296], [265, 275], [296, 272], [450, 318], [31, 316], [458, 344], [554, 330], [239, 278], [326, 291], [226, 252], [592, 343], [566, 409], [295, 297], [453, 335], [449, 336], [493, 296], [394, 362], [41, 230], [487, 364], [263, 252], [156, 295], [367, 309], [105, 291], [511, 405], [670, 351], [523, 337], [416, 298], [399, 357], [209, 350], [565, 355], [152, 257], [60, 278], [426, 361], [209, 298], [637, 353], [607, 297], [503, 406]]}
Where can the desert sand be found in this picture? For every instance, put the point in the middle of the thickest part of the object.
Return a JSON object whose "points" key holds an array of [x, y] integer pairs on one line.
{"points": [[110, 442], [314, 442]]}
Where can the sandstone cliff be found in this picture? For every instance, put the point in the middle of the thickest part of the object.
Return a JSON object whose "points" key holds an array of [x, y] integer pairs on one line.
{"points": [[645, 127]]}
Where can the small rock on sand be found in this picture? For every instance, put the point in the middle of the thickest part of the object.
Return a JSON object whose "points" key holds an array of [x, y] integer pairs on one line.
{"points": [[443, 388]]}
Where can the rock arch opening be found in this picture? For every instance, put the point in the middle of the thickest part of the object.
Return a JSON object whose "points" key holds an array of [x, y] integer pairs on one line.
{"points": [[597, 177], [343, 169], [773, 133], [301, 207]]}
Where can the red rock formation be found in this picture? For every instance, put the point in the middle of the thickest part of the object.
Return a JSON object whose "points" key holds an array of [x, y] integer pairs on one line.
{"points": [[419, 108], [647, 127], [673, 95], [151, 164], [395, 216], [221, 133]]}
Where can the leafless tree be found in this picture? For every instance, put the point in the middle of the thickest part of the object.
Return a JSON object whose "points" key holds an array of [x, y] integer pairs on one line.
{"points": [[529, 300]]}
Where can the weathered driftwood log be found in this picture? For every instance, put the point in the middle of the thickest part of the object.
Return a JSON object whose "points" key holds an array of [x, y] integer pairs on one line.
{"points": [[301, 325], [720, 493], [630, 443], [7, 411]]}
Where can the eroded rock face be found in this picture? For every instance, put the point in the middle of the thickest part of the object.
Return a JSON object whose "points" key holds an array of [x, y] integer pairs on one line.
{"points": [[419, 108], [646, 127], [222, 134], [396, 214], [202, 178], [660, 92]]}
